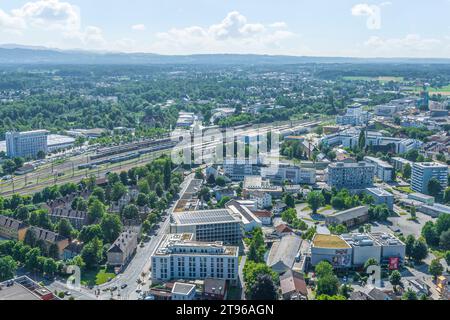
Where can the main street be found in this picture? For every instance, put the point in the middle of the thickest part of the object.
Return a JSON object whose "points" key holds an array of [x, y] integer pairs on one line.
{"points": [[138, 268]]}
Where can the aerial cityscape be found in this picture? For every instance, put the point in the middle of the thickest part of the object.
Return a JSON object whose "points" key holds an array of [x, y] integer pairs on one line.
{"points": [[203, 171]]}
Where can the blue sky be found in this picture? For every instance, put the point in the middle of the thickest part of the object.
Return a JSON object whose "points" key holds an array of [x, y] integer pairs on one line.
{"points": [[396, 28]]}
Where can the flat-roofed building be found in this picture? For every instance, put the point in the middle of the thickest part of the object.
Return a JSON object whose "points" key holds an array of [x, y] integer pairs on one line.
{"points": [[11, 228], [209, 225], [351, 176], [429, 200], [249, 220], [179, 256], [434, 210], [391, 246], [423, 172], [238, 169], [293, 174], [383, 170], [24, 289], [350, 218], [331, 248], [26, 144], [364, 248], [400, 163], [381, 196]]}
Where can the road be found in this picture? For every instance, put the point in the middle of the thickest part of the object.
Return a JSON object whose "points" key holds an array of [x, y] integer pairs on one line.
{"points": [[139, 265], [241, 276]]}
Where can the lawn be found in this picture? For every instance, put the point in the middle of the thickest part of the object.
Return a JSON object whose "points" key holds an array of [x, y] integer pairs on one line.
{"points": [[404, 189], [445, 90], [97, 277]]}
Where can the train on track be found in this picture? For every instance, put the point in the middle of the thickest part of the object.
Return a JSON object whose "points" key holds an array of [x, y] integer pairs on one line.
{"points": [[129, 156]]}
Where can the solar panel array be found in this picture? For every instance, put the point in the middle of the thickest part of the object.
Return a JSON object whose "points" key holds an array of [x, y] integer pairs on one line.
{"points": [[204, 217]]}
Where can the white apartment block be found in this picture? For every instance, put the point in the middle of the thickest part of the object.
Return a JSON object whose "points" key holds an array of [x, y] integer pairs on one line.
{"points": [[26, 144], [178, 256], [423, 172], [383, 170]]}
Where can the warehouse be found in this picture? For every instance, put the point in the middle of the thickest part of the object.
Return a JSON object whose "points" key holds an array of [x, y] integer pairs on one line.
{"points": [[349, 218], [364, 248]]}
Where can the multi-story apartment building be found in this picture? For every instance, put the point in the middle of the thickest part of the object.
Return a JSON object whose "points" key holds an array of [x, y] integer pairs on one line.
{"points": [[178, 256], [354, 116], [209, 225], [423, 172], [383, 170], [351, 176], [26, 144]]}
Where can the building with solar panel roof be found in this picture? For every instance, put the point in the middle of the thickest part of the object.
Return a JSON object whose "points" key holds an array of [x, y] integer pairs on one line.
{"points": [[209, 225]]}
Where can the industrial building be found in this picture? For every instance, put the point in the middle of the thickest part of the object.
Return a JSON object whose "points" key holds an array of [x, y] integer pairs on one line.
{"points": [[209, 225], [26, 144], [349, 218], [282, 255]]}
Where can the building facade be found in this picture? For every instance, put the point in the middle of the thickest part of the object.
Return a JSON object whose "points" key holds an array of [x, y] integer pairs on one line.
{"points": [[26, 144], [209, 225], [351, 176], [178, 256], [423, 172], [383, 170]]}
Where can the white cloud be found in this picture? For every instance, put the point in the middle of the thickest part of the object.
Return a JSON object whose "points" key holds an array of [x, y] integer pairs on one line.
{"points": [[362, 9], [49, 14], [411, 45], [138, 27], [57, 16], [10, 23], [278, 25], [233, 34], [372, 12]]}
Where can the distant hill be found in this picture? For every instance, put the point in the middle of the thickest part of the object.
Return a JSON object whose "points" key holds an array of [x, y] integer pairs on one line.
{"points": [[18, 54]]}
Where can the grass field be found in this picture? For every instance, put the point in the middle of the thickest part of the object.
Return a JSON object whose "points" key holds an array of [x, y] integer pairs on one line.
{"points": [[445, 91], [96, 277], [380, 79]]}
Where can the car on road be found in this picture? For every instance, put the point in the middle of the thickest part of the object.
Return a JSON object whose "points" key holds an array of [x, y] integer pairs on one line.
{"points": [[123, 286], [68, 293], [114, 288]]}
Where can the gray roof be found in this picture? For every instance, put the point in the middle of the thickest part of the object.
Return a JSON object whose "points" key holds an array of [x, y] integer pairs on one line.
{"points": [[122, 241], [47, 235], [10, 223], [183, 288], [284, 251], [350, 213], [204, 217]]}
